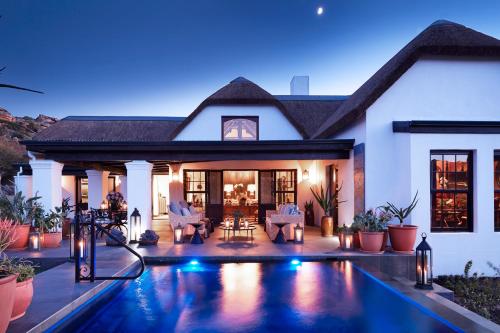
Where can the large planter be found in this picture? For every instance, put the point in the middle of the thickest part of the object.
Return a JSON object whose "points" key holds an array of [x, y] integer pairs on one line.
{"points": [[20, 236], [371, 241], [51, 239], [22, 298], [384, 241], [7, 294], [327, 226], [355, 240], [309, 217], [66, 228], [403, 237]]}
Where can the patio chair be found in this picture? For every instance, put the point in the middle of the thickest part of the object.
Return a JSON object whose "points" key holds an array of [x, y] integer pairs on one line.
{"points": [[176, 217], [283, 214]]}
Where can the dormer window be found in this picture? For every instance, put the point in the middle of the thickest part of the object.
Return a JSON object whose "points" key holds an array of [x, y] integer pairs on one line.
{"points": [[240, 128]]}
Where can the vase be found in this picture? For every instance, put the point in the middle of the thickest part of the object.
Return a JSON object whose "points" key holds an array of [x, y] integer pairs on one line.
{"points": [[327, 226], [371, 242], [20, 236], [7, 295], [66, 228], [22, 298], [403, 237], [309, 217], [51, 239]]}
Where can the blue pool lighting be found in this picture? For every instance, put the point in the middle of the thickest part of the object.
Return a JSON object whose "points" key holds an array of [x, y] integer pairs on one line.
{"points": [[194, 262], [295, 262]]}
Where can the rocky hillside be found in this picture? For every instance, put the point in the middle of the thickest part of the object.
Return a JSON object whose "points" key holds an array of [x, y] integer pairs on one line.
{"points": [[14, 129]]}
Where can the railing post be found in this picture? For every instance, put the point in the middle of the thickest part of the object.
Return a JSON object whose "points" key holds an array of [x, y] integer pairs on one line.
{"points": [[92, 248], [76, 250]]}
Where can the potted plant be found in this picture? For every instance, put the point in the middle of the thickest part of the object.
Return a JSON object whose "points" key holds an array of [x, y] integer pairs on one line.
{"points": [[115, 200], [64, 211], [356, 227], [149, 237], [371, 236], [309, 213], [402, 236], [21, 212], [49, 226], [326, 200], [7, 279], [23, 295]]}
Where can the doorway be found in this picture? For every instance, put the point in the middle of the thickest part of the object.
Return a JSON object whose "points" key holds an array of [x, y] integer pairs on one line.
{"points": [[241, 194]]}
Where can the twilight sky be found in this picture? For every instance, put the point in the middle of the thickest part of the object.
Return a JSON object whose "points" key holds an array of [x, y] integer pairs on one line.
{"points": [[163, 58]]}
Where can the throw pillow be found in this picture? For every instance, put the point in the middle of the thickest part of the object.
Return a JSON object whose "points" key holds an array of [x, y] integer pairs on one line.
{"points": [[185, 212], [183, 204], [174, 208], [192, 210]]}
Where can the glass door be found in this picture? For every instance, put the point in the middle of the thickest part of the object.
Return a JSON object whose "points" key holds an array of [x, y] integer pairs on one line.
{"points": [[214, 205], [267, 199]]}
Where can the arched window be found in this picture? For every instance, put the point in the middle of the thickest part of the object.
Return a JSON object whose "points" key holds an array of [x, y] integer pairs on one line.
{"points": [[240, 128]]}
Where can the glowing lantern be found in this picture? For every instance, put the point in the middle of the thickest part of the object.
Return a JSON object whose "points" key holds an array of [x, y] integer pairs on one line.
{"points": [[178, 234], [35, 241], [346, 239], [424, 264], [135, 226], [298, 234]]}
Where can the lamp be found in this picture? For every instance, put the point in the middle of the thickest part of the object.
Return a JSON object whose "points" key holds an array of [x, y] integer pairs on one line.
{"points": [[175, 176], [346, 239], [424, 264], [104, 205], [245, 223], [124, 205], [178, 234], [227, 223], [35, 241], [135, 226], [305, 174], [228, 187], [298, 234]]}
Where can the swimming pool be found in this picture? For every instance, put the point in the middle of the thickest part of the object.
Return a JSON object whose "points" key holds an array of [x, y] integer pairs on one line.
{"points": [[259, 297]]}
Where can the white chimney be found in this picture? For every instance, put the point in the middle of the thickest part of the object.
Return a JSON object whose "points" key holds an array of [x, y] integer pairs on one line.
{"points": [[299, 85]]}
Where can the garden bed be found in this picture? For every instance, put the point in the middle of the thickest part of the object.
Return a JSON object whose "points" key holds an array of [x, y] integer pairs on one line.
{"points": [[477, 293]]}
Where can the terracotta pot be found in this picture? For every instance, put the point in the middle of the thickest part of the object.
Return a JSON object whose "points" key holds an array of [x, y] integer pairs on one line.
{"points": [[7, 294], [327, 226], [355, 240], [20, 236], [51, 239], [403, 237], [384, 241], [22, 298], [66, 228], [371, 241]]}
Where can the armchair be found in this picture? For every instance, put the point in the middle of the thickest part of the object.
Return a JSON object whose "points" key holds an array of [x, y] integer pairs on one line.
{"points": [[282, 215]]}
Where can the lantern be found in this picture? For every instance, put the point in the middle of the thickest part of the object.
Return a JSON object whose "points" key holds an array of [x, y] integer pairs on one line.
{"points": [[178, 234], [245, 223], [424, 264], [104, 205], [35, 241], [346, 239], [124, 205], [298, 234], [135, 226], [227, 223], [305, 174]]}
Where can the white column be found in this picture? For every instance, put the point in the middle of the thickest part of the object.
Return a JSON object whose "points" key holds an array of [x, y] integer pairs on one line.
{"points": [[98, 187], [24, 184], [139, 191], [122, 188], [47, 176]]}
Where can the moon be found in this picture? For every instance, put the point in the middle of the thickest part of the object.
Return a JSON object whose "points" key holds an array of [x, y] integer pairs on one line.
{"points": [[319, 11]]}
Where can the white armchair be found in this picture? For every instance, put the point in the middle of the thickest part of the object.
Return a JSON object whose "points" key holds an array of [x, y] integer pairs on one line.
{"points": [[184, 221], [273, 216]]}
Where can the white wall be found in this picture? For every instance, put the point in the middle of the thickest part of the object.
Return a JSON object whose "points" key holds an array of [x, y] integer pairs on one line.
{"points": [[47, 177], [68, 184], [207, 124]]}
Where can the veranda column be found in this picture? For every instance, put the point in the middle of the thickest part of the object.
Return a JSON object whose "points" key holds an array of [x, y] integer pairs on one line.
{"points": [[24, 184], [139, 181], [47, 177], [98, 187]]}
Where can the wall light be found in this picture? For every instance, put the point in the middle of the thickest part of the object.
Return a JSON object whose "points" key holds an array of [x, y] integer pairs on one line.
{"points": [[305, 174]]}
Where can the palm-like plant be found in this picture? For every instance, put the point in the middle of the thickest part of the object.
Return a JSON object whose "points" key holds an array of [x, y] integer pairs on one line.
{"points": [[11, 86], [402, 213], [326, 199], [18, 209]]}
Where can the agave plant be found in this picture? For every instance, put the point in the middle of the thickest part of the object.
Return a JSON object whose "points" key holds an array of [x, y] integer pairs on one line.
{"points": [[19, 209], [402, 213], [326, 199]]}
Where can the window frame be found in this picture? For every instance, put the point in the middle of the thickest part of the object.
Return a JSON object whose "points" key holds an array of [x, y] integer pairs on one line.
{"points": [[278, 193], [204, 192], [469, 191], [496, 227], [251, 118]]}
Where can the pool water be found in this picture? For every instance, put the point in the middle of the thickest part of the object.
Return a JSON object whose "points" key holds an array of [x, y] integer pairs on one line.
{"points": [[260, 297]]}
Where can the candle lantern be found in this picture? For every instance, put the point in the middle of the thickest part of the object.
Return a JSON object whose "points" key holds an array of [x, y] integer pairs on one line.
{"points": [[346, 239], [135, 226], [35, 240], [178, 234], [227, 223], [104, 206], [245, 223], [298, 234], [83, 247], [424, 264]]}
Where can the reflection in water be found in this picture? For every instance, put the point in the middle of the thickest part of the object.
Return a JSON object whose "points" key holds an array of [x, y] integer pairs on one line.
{"points": [[306, 291]]}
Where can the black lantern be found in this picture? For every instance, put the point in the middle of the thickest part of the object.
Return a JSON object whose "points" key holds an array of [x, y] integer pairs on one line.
{"points": [[35, 240], [424, 264], [83, 245], [135, 226], [178, 234], [298, 234]]}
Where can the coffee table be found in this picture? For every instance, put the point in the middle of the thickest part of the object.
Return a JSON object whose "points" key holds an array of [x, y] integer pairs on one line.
{"points": [[280, 237], [228, 230], [196, 239]]}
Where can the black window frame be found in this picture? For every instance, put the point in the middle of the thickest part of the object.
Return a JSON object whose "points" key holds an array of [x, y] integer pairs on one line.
{"points": [[469, 191], [280, 194], [251, 118], [186, 186], [496, 192]]}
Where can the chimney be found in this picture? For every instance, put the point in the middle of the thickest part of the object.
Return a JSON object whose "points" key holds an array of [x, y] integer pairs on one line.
{"points": [[299, 85]]}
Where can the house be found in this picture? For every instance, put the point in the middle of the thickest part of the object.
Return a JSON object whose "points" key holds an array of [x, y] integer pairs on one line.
{"points": [[427, 121]]}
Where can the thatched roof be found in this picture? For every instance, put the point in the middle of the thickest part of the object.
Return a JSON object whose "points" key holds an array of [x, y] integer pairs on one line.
{"points": [[442, 38]]}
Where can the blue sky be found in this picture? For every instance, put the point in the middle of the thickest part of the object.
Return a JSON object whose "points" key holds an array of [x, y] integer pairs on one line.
{"points": [[132, 57]]}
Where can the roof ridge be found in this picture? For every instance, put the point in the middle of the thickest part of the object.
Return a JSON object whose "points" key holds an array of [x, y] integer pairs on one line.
{"points": [[123, 118]]}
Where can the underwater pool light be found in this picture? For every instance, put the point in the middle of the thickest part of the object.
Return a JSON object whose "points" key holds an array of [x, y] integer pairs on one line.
{"points": [[194, 262], [295, 262]]}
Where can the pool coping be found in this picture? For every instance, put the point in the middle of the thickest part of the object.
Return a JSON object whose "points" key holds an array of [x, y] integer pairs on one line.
{"points": [[81, 300]]}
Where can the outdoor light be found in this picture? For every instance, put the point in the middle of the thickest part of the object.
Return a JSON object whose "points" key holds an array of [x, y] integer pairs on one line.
{"points": [[227, 223], [424, 264], [295, 262], [178, 234], [104, 205], [124, 205], [298, 234], [72, 240], [194, 262], [305, 174], [346, 239], [175, 176], [135, 226], [35, 241], [245, 223]]}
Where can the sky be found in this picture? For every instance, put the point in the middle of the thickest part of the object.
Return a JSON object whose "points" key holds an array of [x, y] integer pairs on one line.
{"points": [[163, 58]]}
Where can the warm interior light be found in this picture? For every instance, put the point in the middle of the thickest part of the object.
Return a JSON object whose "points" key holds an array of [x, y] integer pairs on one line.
{"points": [[305, 174], [104, 205]]}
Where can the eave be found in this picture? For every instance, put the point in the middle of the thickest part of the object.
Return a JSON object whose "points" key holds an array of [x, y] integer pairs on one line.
{"points": [[446, 127]]}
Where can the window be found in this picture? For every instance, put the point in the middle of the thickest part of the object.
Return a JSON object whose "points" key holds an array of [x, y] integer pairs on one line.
{"points": [[497, 190], [285, 186], [195, 187], [451, 191], [240, 128]]}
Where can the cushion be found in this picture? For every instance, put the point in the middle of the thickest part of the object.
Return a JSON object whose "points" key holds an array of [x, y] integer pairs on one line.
{"points": [[282, 210], [192, 210], [175, 208], [183, 204], [185, 212], [294, 210]]}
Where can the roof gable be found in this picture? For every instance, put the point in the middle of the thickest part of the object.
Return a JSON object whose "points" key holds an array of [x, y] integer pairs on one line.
{"points": [[442, 38]]}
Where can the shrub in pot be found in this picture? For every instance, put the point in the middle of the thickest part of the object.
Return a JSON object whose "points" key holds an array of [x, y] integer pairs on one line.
{"points": [[50, 227], [402, 236], [327, 200], [64, 210], [21, 212], [7, 279], [372, 225], [23, 295]]}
